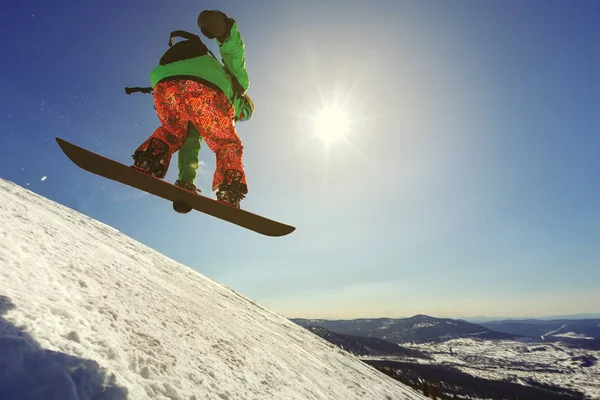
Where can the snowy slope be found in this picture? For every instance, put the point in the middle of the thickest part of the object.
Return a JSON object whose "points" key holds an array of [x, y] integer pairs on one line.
{"points": [[87, 312]]}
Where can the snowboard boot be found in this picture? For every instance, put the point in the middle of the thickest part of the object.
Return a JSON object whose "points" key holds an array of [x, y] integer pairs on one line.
{"points": [[154, 160], [189, 186], [232, 191]]}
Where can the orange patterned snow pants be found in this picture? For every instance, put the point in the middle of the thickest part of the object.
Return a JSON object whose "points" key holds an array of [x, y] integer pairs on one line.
{"points": [[179, 102]]}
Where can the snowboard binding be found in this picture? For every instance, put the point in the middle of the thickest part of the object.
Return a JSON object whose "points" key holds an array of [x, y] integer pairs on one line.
{"points": [[154, 160], [232, 191]]}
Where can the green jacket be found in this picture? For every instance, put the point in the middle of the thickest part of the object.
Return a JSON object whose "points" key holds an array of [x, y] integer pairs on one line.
{"points": [[209, 68]]}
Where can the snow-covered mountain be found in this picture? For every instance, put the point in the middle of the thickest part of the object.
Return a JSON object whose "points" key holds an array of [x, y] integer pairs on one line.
{"points": [[89, 313], [420, 328], [536, 365], [485, 369]]}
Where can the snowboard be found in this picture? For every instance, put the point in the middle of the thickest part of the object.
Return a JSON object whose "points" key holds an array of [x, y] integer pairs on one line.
{"points": [[183, 200]]}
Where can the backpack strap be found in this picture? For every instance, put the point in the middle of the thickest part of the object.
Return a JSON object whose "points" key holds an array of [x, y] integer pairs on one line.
{"points": [[183, 34], [191, 47]]}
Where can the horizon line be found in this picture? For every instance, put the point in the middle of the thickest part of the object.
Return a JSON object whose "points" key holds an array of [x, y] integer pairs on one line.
{"points": [[555, 316]]}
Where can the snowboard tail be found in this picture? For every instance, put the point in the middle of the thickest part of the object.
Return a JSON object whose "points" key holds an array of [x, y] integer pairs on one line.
{"points": [[124, 174]]}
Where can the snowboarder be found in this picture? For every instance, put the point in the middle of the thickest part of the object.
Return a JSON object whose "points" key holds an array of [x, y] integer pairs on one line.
{"points": [[196, 97]]}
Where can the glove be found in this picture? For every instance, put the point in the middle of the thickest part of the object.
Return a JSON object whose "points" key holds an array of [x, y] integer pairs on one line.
{"points": [[214, 24]]}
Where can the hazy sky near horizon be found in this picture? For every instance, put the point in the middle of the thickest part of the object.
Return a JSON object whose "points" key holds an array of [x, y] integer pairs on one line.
{"points": [[467, 184]]}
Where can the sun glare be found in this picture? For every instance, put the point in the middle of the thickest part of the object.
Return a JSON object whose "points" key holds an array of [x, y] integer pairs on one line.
{"points": [[331, 124]]}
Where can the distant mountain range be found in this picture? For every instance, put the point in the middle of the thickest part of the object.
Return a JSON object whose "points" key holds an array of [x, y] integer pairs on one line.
{"points": [[366, 346], [565, 330], [420, 328], [483, 318], [423, 328]]}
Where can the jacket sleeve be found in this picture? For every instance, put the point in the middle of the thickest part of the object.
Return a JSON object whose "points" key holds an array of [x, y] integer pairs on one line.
{"points": [[232, 52]]}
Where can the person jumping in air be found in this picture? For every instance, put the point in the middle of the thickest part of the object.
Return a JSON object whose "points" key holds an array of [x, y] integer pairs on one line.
{"points": [[196, 97]]}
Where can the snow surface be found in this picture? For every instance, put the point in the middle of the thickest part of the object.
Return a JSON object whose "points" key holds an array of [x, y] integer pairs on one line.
{"points": [[89, 313], [386, 324], [552, 333], [574, 335], [424, 325]]}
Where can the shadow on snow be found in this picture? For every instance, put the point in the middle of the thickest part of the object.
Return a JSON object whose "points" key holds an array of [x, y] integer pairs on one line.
{"points": [[29, 372]]}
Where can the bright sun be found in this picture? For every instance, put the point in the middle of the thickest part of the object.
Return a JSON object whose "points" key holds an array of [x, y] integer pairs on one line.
{"points": [[331, 124]]}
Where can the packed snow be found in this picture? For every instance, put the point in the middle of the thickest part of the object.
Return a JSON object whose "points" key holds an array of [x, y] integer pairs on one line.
{"points": [[89, 313]]}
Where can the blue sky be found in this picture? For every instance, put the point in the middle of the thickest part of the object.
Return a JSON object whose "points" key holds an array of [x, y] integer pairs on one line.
{"points": [[467, 183]]}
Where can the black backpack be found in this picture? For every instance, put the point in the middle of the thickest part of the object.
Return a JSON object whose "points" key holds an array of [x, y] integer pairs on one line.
{"points": [[189, 48]]}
